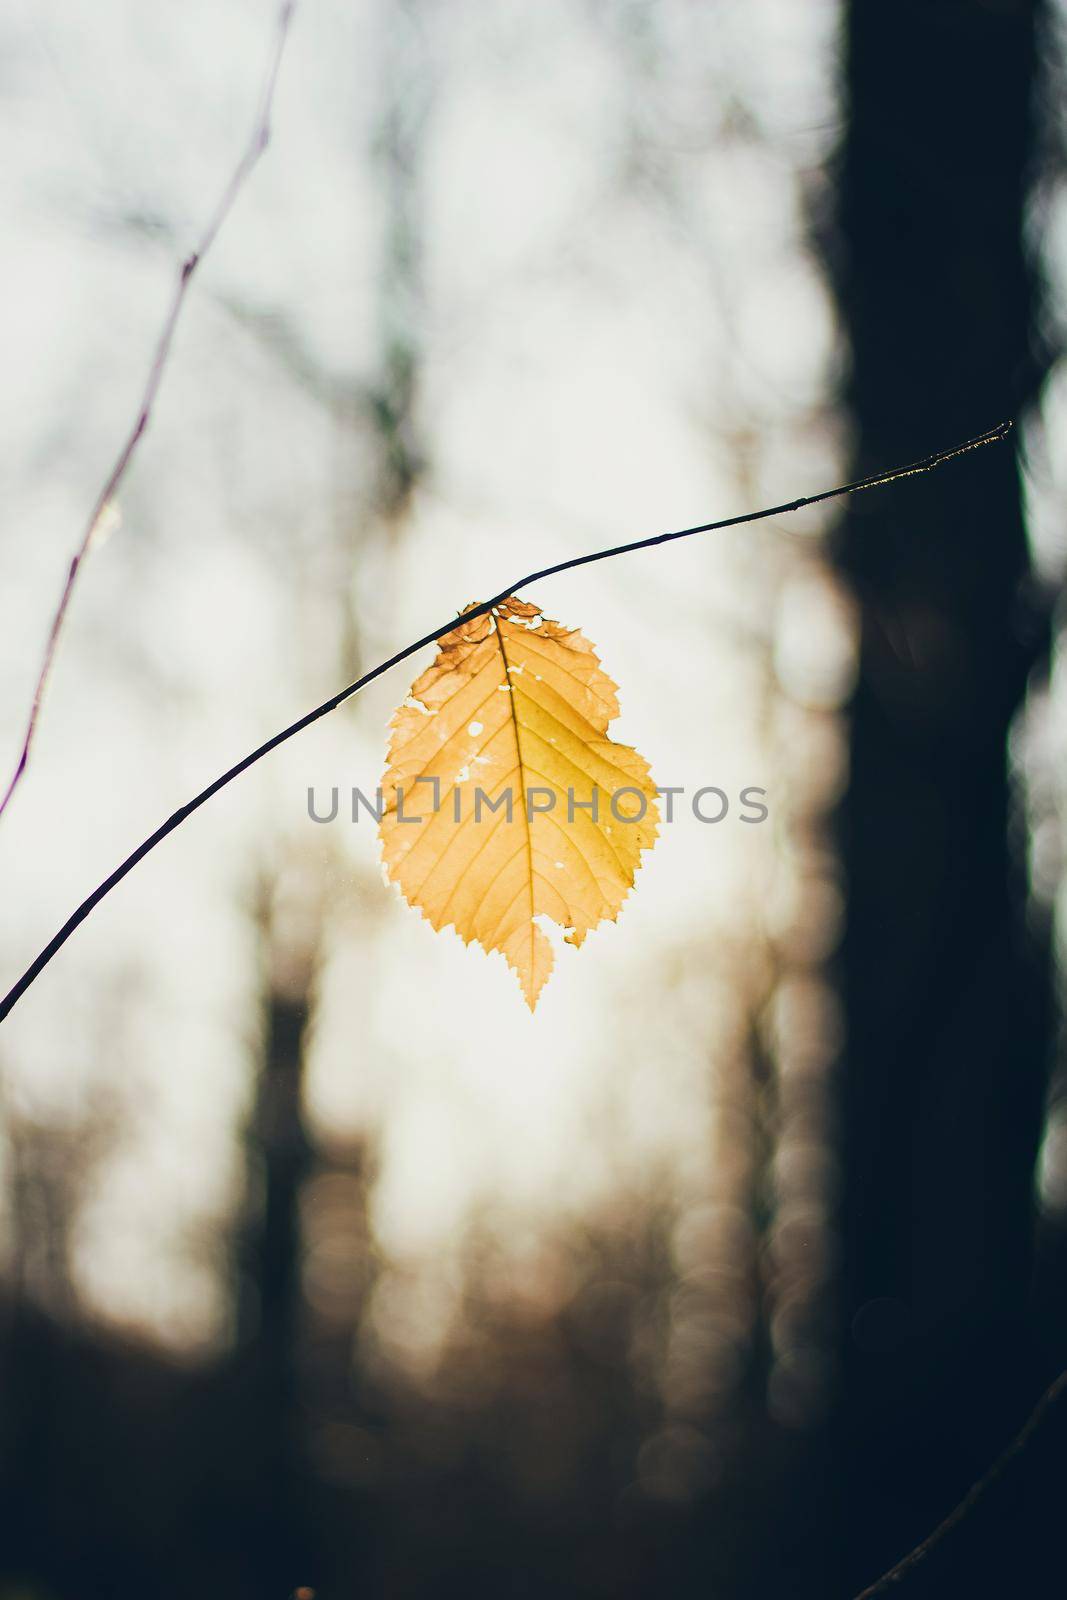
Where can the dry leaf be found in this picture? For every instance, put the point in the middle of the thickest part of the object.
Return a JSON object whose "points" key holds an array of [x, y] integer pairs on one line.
{"points": [[514, 704]]}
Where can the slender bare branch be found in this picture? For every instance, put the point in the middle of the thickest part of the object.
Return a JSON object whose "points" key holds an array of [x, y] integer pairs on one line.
{"points": [[257, 144], [891, 1581], [874, 481]]}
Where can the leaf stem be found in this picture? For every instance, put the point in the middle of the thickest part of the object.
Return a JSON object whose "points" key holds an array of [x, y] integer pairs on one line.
{"points": [[873, 481]]}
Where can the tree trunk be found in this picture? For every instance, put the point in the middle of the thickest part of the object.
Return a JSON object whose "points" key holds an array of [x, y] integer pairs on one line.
{"points": [[945, 988]]}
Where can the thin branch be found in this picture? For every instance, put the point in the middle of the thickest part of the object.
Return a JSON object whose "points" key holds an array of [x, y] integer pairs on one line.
{"points": [[874, 481], [890, 1581], [257, 144]]}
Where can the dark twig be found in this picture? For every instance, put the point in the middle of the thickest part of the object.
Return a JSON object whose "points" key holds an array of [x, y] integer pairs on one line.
{"points": [[255, 148], [874, 481], [890, 1581]]}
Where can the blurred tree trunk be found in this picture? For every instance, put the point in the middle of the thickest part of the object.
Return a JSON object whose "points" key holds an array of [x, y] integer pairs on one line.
{"points": [[269, 1426], [945, 988]]}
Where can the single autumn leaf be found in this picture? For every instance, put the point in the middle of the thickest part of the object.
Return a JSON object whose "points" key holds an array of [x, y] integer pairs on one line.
{"points": [[528, 809]]}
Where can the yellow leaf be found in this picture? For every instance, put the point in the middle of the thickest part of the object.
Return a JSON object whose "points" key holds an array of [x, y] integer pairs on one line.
{"points": [[528, 809]]}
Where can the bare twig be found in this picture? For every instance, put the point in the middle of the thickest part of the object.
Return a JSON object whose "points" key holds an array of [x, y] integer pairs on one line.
{"points": [[890, 1581], [874, 481], [255, 148]]}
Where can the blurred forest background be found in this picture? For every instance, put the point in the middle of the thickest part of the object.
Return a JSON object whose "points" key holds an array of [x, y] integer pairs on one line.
{"points": [[322, 1262]]}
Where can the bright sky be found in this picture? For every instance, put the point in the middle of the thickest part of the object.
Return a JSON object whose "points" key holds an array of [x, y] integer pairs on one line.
{"points": [[619, 332]]}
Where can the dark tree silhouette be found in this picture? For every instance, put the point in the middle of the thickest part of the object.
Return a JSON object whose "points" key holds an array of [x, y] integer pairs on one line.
{"points": [[945, 983]]}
